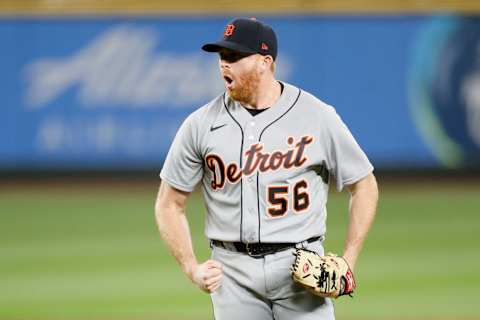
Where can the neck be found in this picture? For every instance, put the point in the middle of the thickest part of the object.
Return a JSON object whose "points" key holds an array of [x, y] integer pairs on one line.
{"points": [[267, 93]]}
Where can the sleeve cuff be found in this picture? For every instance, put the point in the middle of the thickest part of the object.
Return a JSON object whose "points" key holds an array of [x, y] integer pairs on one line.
{"points": [[349, 181], [176, 185]]}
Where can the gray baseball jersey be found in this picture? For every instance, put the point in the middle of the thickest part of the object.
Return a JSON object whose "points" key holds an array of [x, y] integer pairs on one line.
{"points": [[265, 177]]}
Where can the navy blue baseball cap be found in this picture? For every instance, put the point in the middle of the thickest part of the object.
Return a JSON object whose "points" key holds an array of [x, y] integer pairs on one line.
{"points": [[246, 36]]}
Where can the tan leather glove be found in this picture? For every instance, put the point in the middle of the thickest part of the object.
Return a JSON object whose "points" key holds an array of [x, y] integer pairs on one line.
{"points": [[326, 276]]}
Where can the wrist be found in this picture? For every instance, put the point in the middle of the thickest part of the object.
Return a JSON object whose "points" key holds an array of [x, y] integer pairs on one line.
{"points": [[190, 270], [351, 260]]}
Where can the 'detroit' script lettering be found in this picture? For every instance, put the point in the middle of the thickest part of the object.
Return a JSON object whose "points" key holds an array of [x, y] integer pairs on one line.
{"points": [[256, 160]]}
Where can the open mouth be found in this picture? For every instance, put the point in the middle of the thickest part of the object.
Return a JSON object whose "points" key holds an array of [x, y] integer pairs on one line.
{"points": [[228, 79]]}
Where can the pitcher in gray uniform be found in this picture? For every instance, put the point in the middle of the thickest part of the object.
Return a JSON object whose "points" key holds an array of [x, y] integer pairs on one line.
{"points": [[264, 152]]}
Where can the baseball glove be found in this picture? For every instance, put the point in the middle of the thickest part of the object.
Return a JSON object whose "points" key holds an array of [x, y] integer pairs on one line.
{"points": [[326, 276]]}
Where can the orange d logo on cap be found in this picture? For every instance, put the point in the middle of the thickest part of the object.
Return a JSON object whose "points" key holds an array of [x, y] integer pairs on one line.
{"points": [[229, 30]]}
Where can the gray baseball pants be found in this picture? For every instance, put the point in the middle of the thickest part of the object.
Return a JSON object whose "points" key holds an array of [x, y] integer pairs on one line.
{"points": [[262, 288]]}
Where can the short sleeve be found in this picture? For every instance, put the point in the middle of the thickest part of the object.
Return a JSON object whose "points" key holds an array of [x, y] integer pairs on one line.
{"points": [[346, 160], [183, 167]]}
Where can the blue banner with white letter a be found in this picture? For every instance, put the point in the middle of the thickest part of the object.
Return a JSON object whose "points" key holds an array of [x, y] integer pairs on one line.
{"points": [[110, 93]]}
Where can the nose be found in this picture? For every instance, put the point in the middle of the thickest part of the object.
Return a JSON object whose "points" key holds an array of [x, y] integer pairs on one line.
{"points": [[224, 64]]}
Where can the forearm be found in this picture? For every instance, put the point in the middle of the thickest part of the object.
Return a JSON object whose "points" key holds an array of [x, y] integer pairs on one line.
{"points": [[363, 204], [173, 226]]}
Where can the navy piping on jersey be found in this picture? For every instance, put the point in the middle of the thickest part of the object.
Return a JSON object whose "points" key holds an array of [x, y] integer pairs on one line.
{"points": [[241, 166], [259, 140], [254, 112]]}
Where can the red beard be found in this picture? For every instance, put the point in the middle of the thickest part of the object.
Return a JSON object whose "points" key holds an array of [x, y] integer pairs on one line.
{"points": [[245, 87]]}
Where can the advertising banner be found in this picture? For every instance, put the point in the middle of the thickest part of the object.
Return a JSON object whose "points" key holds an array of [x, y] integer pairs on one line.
{"points": [[110, 93]]}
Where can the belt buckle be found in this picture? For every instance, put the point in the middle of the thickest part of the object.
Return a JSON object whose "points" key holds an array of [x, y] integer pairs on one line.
{"points": [[251, 252]]}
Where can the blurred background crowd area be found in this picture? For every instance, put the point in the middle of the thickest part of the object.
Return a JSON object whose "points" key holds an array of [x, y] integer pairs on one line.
{"points": [[228, 6], [93, 92]]}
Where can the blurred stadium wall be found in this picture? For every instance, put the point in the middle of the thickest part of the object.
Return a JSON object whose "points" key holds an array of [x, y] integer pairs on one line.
{"points": [[104, 85], [155, 7]]}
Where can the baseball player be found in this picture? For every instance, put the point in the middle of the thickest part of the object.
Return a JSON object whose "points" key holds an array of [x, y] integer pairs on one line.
{"points": [[264, 151]]}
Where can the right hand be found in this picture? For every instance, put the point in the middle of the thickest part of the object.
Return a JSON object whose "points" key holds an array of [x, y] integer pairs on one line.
{"points": [[208, 275]]}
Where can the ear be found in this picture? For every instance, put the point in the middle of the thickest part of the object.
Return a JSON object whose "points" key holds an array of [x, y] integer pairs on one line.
{"points": [[266, 62]]}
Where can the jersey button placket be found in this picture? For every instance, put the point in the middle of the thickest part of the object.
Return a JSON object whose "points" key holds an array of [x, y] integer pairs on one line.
{"points": [[251, 140], [250, 225]]}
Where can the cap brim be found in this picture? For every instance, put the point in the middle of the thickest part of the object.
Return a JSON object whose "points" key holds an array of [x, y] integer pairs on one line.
{"points": [[222, 44]]}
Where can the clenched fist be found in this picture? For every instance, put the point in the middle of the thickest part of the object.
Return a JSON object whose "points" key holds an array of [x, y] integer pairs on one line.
{"points": [[208, 275]]}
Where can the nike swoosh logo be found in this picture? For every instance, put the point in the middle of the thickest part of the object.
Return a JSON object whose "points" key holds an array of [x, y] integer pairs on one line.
{"points": [[215, 128]]}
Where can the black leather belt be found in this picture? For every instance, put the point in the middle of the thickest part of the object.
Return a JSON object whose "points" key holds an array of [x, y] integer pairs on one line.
{"points": [[258, 250]]}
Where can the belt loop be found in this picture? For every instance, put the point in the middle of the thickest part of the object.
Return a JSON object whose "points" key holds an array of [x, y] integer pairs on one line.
{"points": [[305, 244], [301, 245]]}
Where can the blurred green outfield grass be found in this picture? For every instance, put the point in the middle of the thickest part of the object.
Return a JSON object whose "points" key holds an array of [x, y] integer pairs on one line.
{"points": [[93, 252]]}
